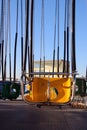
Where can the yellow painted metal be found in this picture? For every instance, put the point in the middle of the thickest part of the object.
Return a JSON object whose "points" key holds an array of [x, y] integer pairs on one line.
{"points": [[56, 90]]}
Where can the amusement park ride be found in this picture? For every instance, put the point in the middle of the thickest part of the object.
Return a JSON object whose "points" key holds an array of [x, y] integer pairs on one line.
{"points": [[44, 87]]}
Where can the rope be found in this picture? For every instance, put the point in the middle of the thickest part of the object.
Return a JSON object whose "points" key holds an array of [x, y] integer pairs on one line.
{"points": [[68, 36], [43, 34], [42, 45], [21, 35], [31, 37], [6, 42], [73, 37], [54, 35], [2, 57], [2, 34], [9, 39], [58, 42], [64, 38], [41, 41], [15, 47]]}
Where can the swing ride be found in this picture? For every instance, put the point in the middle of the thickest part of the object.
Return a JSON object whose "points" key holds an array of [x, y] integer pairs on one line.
{"points": [[9, 89], [53, 83], [50, 87], [41, 82]]}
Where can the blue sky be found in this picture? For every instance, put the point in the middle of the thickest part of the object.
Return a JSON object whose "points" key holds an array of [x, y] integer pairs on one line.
{"points": [[81, 36], [49, 11]]}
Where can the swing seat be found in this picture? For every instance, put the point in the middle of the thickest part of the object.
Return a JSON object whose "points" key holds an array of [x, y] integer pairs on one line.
{"points": [[54, 90]]}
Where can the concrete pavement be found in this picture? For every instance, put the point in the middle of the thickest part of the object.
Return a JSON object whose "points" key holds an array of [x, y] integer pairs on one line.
{"points": [[17, 115]]}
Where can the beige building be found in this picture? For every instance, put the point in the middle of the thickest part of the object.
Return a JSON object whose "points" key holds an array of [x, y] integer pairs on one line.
{"points": [[49, 66]]}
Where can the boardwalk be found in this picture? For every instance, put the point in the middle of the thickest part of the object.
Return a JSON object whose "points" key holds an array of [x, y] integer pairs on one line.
{"points": [[17, 115]]}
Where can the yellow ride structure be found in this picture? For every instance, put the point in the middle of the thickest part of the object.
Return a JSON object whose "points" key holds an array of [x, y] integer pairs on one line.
{"points": [[42, 86], [48, 90]]}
